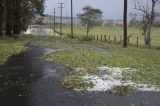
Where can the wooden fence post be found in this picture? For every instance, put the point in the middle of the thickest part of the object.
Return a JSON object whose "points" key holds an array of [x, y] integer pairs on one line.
{"points": [[114, 40], [109, 38], [128, 40], [93, 37], [137, 41], [120, 40], [97, 37], [105, 38], [101, 38]]}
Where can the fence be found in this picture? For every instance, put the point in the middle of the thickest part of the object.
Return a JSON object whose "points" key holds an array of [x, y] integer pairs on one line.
{"points": [[106, 38], [109, 39]]}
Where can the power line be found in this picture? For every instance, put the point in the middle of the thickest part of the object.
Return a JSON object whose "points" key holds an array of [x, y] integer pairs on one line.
{"points": [[61, 7]]}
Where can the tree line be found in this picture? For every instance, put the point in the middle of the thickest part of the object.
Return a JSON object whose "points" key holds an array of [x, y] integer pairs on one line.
{"points": [[15, 15]]}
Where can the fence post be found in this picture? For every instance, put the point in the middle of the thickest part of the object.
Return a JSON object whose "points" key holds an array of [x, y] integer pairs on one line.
{"points": [[137, 41], [120, 40], [101, 38], [105, 38], [114, 40], [92, 37], [97, 37], [109, 38]]}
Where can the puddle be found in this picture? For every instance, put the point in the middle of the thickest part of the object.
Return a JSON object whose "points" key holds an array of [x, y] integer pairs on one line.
{"points": [[49, 72], [49, 50]]}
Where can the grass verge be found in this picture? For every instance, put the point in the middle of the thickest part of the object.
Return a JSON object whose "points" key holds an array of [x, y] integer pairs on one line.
{"points": [[10, 46], [146, 61]]}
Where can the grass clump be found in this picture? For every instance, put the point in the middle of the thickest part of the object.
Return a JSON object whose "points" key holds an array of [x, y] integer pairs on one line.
{"points": [[123, 90]]}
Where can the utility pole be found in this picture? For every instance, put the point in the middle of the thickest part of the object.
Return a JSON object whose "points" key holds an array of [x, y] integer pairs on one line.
{"points": [[61, 7], [125, 23], [72, 19], [50, 24], [54, 27]]}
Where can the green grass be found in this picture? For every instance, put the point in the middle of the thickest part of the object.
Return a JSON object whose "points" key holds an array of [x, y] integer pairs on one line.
{"points": [[115, 31], [10, 46], [146, 61]]}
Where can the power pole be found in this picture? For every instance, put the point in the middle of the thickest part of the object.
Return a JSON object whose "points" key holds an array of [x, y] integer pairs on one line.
{"points": [[72, 19], [125, 23], [61, 7], [54, 20], [50, 23]]}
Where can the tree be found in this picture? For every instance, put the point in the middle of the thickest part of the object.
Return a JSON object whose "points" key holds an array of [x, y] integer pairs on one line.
{"points": [[2, 8], [9, 18], [90, 17], [125, 23], [17, 17], [20, 13], [149, 14]]}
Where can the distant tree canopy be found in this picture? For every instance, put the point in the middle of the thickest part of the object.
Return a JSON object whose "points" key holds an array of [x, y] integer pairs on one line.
{"points": [[17, 14], [90, 17]]}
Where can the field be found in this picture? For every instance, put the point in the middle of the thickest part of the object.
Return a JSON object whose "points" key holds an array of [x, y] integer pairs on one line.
{"points": [[117, 31]]}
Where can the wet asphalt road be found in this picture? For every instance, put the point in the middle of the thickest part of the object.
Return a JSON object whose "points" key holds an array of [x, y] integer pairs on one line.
{"points": [[26, 80]]}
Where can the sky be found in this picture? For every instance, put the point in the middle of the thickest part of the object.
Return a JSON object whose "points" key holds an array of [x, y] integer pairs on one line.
{"points": [[112, 9]]}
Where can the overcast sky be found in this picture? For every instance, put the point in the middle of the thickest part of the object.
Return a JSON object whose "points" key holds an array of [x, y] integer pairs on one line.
{"points": [[112, 9]]}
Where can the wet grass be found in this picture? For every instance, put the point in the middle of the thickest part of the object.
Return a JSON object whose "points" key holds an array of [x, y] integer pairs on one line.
{"points": [[145, 61], [11, 46]]}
